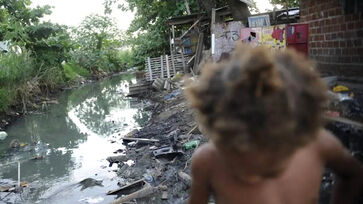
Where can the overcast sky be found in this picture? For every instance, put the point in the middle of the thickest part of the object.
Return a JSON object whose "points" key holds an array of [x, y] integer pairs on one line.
{"points": [[72, 12]]}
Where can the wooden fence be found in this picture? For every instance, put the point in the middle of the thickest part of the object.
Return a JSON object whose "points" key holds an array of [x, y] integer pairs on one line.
{"points": [[165, 66]]}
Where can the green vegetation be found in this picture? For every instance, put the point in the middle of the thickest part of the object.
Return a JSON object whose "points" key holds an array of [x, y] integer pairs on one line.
{"points": [[44, 57]]}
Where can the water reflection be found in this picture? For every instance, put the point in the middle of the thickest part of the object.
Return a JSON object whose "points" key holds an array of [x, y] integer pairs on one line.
{"points": [[74, 136]]}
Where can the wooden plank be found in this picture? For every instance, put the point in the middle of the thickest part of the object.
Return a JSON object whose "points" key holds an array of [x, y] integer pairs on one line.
{"points": [[139, 139], [146, 191], [167, 66], [150, 71], [199, 52], [162, 67], [345, 121], [137, 183]]}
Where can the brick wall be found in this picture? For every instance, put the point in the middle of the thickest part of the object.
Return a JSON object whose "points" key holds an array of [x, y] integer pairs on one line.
{"points": [[336, 39]]}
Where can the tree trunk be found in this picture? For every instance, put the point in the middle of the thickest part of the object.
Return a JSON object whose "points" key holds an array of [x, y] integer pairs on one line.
{"points": [[207, 5]]}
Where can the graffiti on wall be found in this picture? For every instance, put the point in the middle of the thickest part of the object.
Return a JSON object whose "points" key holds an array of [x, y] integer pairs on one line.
{"points": [[227, 34], [271, 36], [231, 35]]}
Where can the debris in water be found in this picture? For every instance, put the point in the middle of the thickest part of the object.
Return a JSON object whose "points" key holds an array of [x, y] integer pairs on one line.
{"points": [[3, 135]]}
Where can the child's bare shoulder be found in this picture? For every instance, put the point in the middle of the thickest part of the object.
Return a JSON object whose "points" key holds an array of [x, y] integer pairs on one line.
{"points": [[329, 146], [204, 157]]}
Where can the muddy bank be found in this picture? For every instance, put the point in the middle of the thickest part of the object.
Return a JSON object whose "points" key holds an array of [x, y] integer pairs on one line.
{"points": [[163, 158]]}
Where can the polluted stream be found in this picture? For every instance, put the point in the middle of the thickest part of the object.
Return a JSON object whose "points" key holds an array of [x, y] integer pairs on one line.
{"points": [[64, 147]]}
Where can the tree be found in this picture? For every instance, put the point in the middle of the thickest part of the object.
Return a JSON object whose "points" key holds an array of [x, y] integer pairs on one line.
{"points": [[286, 3], [98, 41], [149, 32], [15, 16], [95, 31]]}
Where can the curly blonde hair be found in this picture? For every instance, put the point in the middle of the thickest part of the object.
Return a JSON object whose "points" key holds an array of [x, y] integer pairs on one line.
{"points": [[260, 99]]}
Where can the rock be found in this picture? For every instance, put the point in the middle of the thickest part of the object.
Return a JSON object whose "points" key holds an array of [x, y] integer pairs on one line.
{"points": [[90, 182], [116, 159], [3, 135], [164, 195]]}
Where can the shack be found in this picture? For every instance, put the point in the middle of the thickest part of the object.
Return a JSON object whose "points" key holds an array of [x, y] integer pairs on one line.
{"points": [[205, 37]]}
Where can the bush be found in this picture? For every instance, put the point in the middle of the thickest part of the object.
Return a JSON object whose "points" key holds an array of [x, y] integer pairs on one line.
{"points": [[73, 71], [51, 78], [97, 60]]}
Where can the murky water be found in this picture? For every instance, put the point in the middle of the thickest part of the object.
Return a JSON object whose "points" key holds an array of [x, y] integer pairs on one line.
{"points": [[75, 137]]}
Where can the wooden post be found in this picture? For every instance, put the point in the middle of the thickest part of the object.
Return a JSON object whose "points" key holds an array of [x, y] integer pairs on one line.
{"points": [[183, 59], [18, 174], [212, 29], [150, 70], [198, 53], [167, 66], [162, 66], [173, 64], [172, 58]]}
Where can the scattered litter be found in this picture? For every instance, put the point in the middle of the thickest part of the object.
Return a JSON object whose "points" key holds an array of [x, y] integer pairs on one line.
{"points": [[118, 151], [191, 145], [173, 94], [330, 81], [15, 143], [164, 195], [146, 191], [139, 140], [148, 178], [332, 113], [130, 134], [166, 151], [187, 180], [89, 182], [92, 200], [3, 135], [13, 188], [132, 144], [340, 88], [37, 158], [116, 159], [153, 147]]}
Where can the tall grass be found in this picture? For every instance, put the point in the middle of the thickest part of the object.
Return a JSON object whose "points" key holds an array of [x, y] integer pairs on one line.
{"points": [[15, 68]]}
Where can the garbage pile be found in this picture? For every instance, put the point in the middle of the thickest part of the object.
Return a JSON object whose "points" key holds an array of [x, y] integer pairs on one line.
{"points": [[347, 108], [155, 166]]}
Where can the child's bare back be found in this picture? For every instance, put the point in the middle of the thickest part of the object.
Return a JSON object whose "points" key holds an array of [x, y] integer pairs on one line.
{"points": [[267, 142]]}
